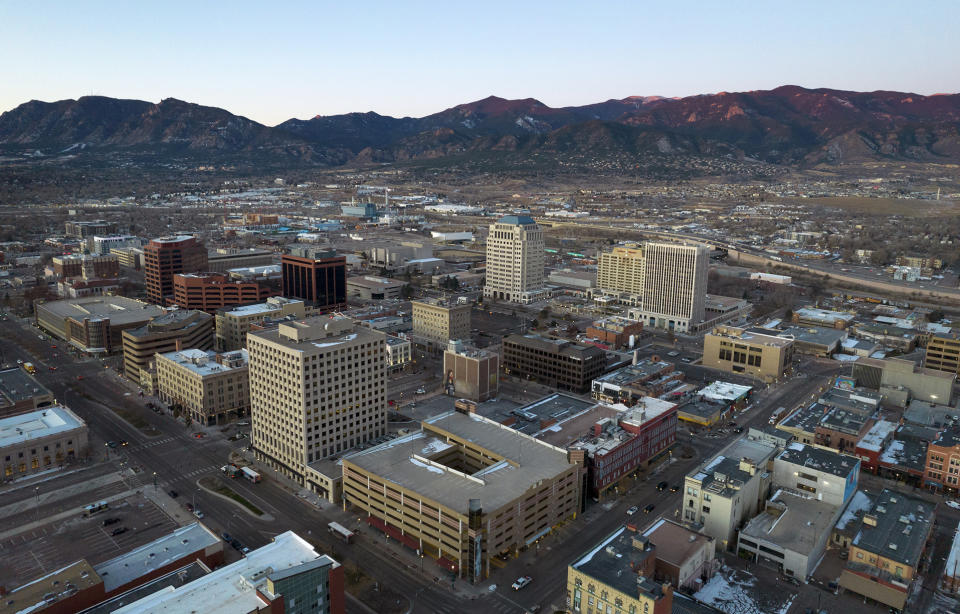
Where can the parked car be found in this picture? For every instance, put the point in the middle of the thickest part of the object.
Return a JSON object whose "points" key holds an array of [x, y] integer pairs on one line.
{"points": [[225, 536], [633, 510], [521, 582], [112, 444], [173, 494], [198, 514], [110, 521], [189, 506], [118, 531], [421, 390]]}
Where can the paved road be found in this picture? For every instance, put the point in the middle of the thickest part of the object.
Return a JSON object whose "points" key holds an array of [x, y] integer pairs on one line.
{"points": [[179, 460]]}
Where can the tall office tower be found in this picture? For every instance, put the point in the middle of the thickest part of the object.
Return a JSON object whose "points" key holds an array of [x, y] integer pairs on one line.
{"points": [[674, 286], [317, 389], [165, 257], [622, 270], [316, 276], [515, 260]]}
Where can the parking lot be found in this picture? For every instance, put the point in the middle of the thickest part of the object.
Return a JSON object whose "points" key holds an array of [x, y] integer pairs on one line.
{"points": [[50, 546]]}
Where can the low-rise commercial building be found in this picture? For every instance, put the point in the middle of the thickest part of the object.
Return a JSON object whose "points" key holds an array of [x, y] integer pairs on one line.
{"points": [[212, 291], [809, 316], [283, 576], [233, 323], [370, 288], [900, 380], [648, 377], [684, 558], [810, 340], [94, 324], [728, 489], [463, 490], [75, 265], [223, 259], [872, 445], [398, 353], [615, 332], [616, 575], [885, 554], [176, 330], [471, 373], [40, 440], [557, 363], [210, 388], [736, 350], [841, 429], [801, 424], [942, 469], [21, 393]]}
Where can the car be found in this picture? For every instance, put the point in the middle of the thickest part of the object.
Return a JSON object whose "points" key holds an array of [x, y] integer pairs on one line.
{"points": [[52, 368], [521, 582], [19, 362], [53, 346], [244, 423], [675, 488], [123, 442], [731, 423], [111, 444], [79, 378], [225, 536], [633, 510], [738, 430], [421, 390], [199, 435], [244, 550], [198, 514], [662, 486], [110, 521], [189, 506], [235, 543], [391, 402], [118, 531], [648, 509], [953, 504], [172, 493]]}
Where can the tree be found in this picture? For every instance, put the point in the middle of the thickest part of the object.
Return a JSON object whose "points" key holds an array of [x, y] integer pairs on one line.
{"points": [[407, 291]]}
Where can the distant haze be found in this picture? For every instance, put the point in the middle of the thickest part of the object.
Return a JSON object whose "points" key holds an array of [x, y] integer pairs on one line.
{"points": [[274, 61]]}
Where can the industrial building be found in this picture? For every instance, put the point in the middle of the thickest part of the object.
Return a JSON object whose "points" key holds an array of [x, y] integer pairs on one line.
{"points": [[463, 490]]}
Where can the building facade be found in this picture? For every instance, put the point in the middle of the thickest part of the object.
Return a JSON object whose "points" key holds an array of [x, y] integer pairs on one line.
{"points": [[735, 350], [75, 265], [675, 286], [94, 325], [165, 257], [471, 373], [515, 259], [317, 389], [943, 353], [463, 490], [555, 362], [317, 277], [210, 388], [212, 291], [622, 270], [399, 353], [233, 323], [173, 331], [436, 323], [40, 440], [82, 230]]}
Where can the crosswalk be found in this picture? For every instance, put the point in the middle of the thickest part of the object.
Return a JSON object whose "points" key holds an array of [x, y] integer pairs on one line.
{"points": [[156, 442], [490, 605], [201, 471]]}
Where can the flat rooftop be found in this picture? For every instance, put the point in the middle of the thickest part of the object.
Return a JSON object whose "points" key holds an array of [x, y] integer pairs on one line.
{"points": [[823, 315], [204, 363], [817, 335], [374, 283], [624, 376], [927, 414], [118, 309], [149, 557], [675, 543], [520, 462], [739, 334], [17, 385], [820, 459], [273, 304], [232, 588], [33, 595], [781, 522], [46, 422], [613, 561], [804, 419], [877, 436], [530, 418], [724, 391], [718, 472], [172, 239], [902, 524], [317, 334]]}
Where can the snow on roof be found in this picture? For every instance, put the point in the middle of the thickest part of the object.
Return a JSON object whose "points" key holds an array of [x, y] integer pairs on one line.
{"points": [[859, 502], [589, 556], [724, 391], [875, 437], [893, 453]]}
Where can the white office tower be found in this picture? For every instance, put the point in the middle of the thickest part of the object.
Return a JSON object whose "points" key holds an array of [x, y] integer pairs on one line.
{"points": [[674, 288], [515, 260]]}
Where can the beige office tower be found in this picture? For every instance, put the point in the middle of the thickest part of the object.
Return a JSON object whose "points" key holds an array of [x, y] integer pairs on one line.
{"points": [[437, 322], [674, 286], [622, 270], [515, 260], [317, 389]]}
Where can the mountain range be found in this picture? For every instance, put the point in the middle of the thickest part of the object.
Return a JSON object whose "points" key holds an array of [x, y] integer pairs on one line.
{"points": [[789, 125]]}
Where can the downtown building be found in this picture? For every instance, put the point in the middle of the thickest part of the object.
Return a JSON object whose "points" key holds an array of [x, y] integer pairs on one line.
{"points": [[167, 256], [515, 259], [210, 388], [173, 331], [233, 323], [437, 322], [316, 276], [665, 282], [317, 389], [557, 363], [463, 490], [212, 291]]}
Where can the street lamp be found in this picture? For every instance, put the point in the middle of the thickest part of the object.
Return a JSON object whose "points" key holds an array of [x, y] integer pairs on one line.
{"points": [[36, 492], [154, 482]]}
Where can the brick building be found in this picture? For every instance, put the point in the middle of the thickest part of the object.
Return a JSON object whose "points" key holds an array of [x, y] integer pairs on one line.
{"points": [[212, 291], [555, 362], [165, 257]]}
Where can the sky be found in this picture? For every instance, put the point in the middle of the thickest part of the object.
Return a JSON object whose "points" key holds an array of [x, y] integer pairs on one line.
{"points": [[270, 61]]}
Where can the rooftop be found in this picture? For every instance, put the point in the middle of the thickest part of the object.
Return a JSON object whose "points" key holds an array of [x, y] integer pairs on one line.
{"points": [[613, 561], [877, 436], [161, 552], [823, 315], [530, 418], [844, 420], [519, 462], [757, 338], [737, 463], [674, 542], [273, 304], [17, 385], [896, 527], [234, 587], [820, 459], [205, 363], [724, 391], [641, 371], [516, 220], [928, 414], [53, 420], [817, 335], [118, 309], [35, 595], [369, 281], [172, 239], [804, 419], [792, 522]]}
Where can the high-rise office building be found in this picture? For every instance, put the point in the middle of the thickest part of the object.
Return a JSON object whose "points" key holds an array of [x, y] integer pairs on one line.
{"points": [[622, 269], [666, 282], [318, 277], [515, 260], [317, 389], [165, 257]]}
